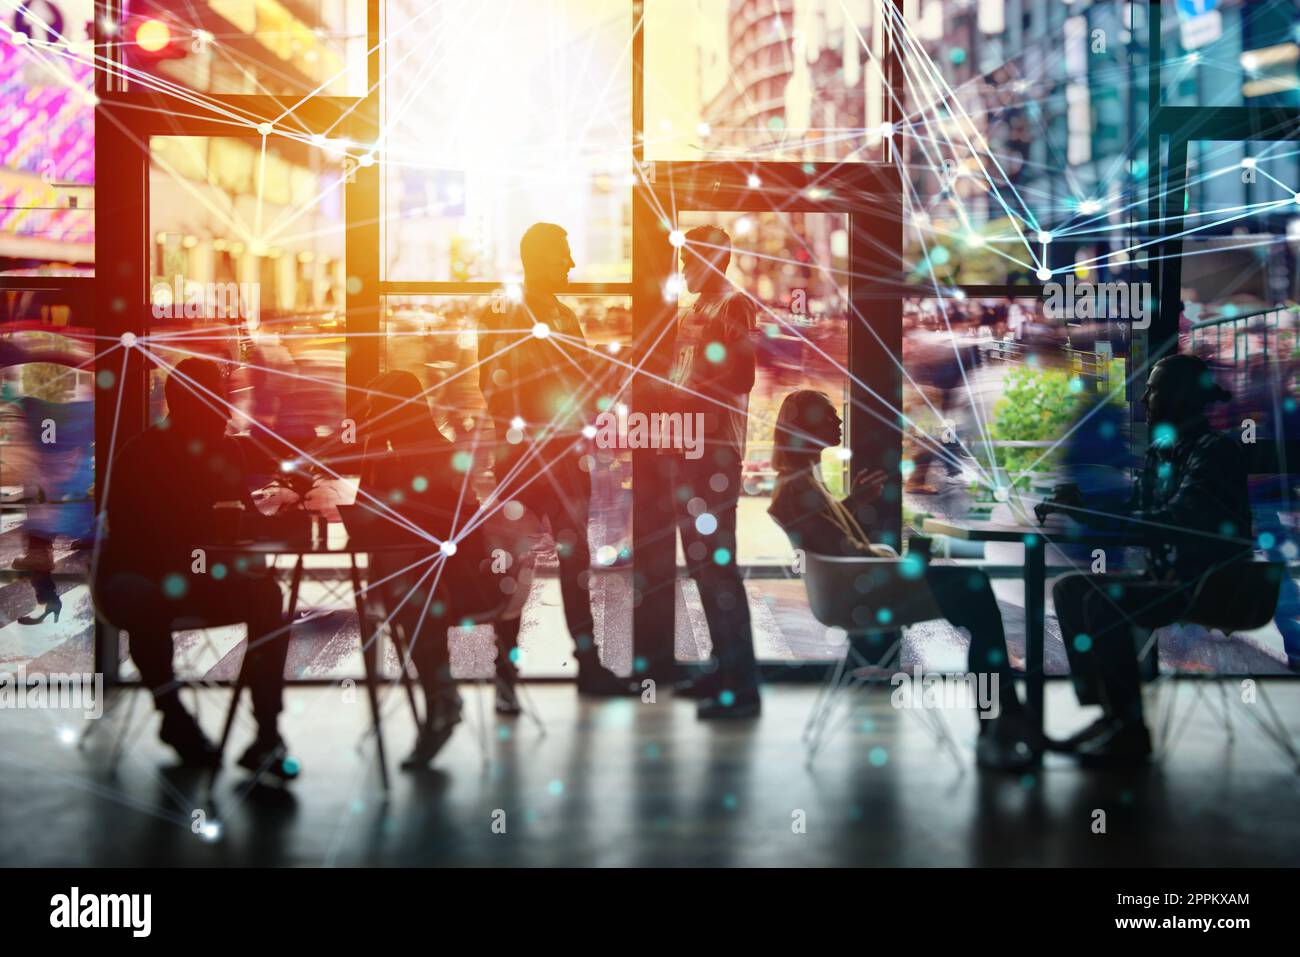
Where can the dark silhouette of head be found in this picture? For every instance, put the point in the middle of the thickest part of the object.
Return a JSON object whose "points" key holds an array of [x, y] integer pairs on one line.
{"points": [[705, 257], [544, 251], [196, 398], [397, 410], [1179, 388], [806, 423]]}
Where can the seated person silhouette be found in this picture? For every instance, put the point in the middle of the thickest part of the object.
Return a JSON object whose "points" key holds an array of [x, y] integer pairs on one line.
{"points": [[819, 523], [1191, 495], [160, 498], [409, 481]]}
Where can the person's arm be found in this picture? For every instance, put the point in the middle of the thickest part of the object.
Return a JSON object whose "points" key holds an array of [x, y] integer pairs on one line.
{"points": [[734, 375], [1210, 488]]}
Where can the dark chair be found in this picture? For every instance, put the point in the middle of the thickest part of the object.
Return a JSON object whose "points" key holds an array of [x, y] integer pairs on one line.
{"points": [[1242, 596], [872, 599]]}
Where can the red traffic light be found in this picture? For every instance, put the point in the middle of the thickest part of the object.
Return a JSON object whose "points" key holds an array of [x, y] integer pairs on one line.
{"points": [[152, 36], [151, 39]]}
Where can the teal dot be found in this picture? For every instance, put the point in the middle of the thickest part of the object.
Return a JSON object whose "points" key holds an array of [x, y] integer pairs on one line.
{"points": [[640, 664], [878, 757], [652, 751], [1266, 540], [939, 255], [291, 765], [1164, 436], [1115, 591], [1029, 782], [396, 496], [975, 582], [730, 802], [515, 655], [503, 732], [106, 378], [420, 483], [437, 609], [556, 787], [957, 55], [241, 564], [867, 726], [219, 571], [1082, 643], [715, 352], [1165, 470], [1227, 529], [727, 698], [1076, 386], [884, 616], [722, 557], [461, 461], [912, 566], [1108, 430], [604, 402], [174, 586], [1031, 541]]}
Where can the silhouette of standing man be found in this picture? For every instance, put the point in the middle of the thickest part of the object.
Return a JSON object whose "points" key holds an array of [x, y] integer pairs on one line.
{"points": [[714, 373], [539, 400]]}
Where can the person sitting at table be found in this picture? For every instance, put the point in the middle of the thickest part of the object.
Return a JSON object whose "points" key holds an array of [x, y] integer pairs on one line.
{"points": [[409, 478], [816, 521], [1191, 493], [160, 496]]}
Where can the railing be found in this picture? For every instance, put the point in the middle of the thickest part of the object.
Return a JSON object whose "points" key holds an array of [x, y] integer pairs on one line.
{"points": [[1092, 368], [1282, 322]]}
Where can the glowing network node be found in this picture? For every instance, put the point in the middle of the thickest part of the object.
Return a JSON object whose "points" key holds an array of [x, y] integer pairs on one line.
{"points": [[677, 238], [753, 181], [1044, 274], [541, 330], [264, 129], [1044, 237], [518, 423], [887, 130], [589, 431], [448, 548], [128, 339], [367, 160]]}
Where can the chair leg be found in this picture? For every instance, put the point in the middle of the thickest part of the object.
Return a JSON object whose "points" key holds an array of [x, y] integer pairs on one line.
{"points": [[825, 705], [829, 680], [1275, 730]]}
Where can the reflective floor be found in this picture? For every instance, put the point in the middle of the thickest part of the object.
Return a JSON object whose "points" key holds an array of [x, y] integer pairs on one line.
{"points": [[630, 783]]}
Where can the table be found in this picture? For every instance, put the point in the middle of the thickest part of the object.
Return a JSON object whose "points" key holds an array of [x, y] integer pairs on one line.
{"points": [[369, 644], [1035, 539]]}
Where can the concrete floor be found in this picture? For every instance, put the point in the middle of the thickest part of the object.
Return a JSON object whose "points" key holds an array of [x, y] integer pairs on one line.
{"points": [[626, 783]]}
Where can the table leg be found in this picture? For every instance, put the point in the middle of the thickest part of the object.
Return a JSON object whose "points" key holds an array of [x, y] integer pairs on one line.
{"points": [[295, 581], [1035, 623], [370, 656]]}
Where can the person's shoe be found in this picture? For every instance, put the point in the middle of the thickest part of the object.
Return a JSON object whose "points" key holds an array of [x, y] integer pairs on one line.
{"points": [[1071, 744], [1007, 743], [269, 755], [598, 681], [1124, 744], [51, 608], [182, 733], [445, 715], [727, 704], [701, 686]]}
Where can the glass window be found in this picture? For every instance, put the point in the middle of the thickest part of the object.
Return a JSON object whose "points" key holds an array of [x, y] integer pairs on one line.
{"points": [[763, 81], [47, 140], [242, 272], [491, 130], [793, 267], [247, 46], [436, 339], [46, 476]]}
